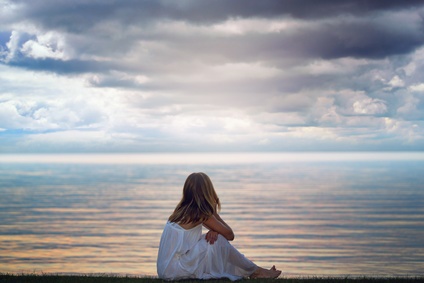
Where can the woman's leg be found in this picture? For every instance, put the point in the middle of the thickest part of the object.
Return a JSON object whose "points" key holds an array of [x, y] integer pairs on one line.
{"points": [[233, 261]]}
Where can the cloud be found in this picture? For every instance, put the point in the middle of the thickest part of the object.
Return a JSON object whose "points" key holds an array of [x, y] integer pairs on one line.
{"points": [[78, 15], [211, 75], [369, 106], [417, 88], [49, 45]]}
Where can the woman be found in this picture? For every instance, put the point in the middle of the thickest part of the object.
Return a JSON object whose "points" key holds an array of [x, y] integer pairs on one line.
{"points": [[185, 253]]}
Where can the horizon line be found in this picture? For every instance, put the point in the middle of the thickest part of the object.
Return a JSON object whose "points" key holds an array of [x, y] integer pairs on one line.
{"points": [[210, 157]]}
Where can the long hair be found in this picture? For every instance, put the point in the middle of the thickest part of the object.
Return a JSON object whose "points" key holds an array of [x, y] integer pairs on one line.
{"points": [[199, 200]]}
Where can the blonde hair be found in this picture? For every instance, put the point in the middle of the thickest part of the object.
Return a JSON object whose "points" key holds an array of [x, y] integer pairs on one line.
{"points": [[199, 200]]}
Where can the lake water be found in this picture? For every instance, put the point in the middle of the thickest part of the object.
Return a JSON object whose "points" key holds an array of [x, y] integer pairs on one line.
{"points": [[307, 213]]}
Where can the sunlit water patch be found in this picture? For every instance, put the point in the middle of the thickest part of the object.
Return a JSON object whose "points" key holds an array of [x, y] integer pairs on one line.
{"points": [[344, 214]]}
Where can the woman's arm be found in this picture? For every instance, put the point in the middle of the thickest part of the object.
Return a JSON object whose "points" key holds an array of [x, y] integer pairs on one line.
{"points": [[218, 217], [217, 224]]}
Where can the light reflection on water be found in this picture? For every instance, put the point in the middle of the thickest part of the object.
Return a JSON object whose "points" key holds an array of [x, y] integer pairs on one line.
{"points": [[308, 218]]}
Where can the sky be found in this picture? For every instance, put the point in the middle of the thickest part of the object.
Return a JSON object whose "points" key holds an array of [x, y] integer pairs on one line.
{"points": [[211, 75]]}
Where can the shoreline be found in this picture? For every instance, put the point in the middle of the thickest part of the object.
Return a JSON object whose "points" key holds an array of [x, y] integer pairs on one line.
{"points": [[111, 278]]}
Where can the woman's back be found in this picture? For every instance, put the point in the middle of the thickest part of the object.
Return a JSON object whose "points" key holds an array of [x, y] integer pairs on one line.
{"points": [[175, 241]]}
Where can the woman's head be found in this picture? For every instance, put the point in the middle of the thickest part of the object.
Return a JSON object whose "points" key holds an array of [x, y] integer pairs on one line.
{"points": [[199, 200]]}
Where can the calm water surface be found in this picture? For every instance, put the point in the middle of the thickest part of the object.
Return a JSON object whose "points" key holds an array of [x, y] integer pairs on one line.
{"points": [[309, 214]]}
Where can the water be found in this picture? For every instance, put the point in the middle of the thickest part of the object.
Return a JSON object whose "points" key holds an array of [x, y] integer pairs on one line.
{"points": [[309, 214]]}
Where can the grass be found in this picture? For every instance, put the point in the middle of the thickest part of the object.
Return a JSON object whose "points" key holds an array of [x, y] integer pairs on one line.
{"points": [[51, 278]]}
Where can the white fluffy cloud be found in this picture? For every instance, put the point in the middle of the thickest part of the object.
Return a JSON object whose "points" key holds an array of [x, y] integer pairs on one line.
{"points": [[48, 45], [369, 106]]}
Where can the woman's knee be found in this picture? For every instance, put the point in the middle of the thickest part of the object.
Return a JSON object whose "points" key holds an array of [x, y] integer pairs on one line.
{"points": [[222, 240]]}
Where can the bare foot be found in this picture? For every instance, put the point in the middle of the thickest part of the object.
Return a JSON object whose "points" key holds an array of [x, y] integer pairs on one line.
{"points": [[266, 273]]}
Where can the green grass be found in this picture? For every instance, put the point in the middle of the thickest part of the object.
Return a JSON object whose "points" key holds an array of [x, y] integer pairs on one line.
{"points": [[33, 278]]}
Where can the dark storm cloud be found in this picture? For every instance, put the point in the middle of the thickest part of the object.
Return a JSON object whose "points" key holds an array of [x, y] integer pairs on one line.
{"points": [[303, 9], [364, 39], [327, 41], [337, 39], [77, 15], [100, 28]]}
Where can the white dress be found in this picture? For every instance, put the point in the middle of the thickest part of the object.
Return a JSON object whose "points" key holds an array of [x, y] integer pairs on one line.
{"points": [[184, 253]]}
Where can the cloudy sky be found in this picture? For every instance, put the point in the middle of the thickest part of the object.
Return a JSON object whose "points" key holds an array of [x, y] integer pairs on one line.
{"points": [[211, 75]]}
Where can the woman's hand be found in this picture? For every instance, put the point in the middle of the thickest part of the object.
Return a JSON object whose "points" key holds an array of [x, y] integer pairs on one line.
{"points": [[211, 237]]}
